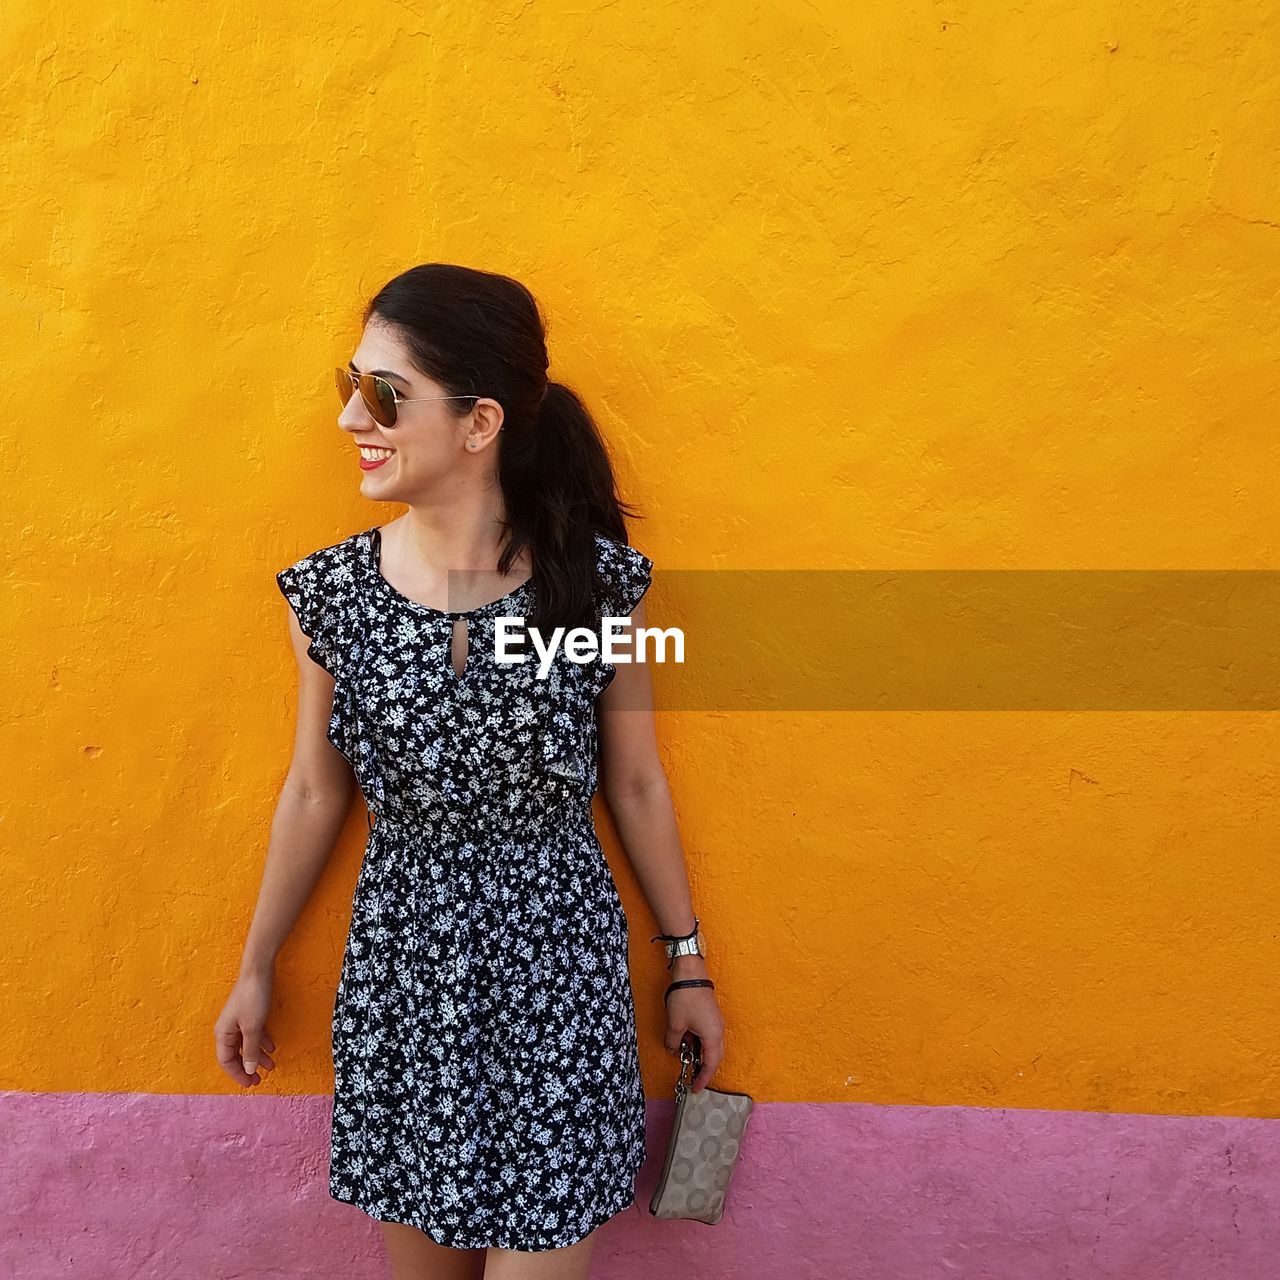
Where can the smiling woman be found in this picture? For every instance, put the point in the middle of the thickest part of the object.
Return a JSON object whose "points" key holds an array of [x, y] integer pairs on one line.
{"points": [[487, 1087]]}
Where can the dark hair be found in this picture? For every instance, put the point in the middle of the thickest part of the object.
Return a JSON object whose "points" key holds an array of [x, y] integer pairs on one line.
{"points": [[481, 334]]}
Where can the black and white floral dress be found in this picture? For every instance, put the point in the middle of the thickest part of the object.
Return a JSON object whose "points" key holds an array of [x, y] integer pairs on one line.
{"points": [[487, 1082]]}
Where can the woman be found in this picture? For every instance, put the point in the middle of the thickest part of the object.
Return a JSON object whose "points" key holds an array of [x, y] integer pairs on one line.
{"points": [[488, 1108]]}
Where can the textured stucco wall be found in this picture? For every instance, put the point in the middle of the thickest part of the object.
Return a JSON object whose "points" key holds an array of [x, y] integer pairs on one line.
{"points": [[851, 287]]}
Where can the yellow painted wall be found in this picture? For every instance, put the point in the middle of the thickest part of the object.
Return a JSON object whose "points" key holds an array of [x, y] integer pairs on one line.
{"points": [[888, 286]]}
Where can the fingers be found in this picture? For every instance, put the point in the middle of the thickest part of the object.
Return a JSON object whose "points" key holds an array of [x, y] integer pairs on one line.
{"points": [[226, 1045], [265, 1060], [253, 1053], [266, 1047], [712, 1056], [229, 1047], [712, 1050], [699, 1021]]}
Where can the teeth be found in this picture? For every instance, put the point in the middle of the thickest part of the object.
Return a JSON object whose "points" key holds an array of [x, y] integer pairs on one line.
{"points": [[372, 454]]}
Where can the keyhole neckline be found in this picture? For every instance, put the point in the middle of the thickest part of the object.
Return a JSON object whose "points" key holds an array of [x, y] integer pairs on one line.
{"points": [[374, 545]]}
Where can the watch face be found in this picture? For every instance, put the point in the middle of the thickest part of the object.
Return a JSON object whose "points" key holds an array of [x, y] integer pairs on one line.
{"points": [[702, 947]]}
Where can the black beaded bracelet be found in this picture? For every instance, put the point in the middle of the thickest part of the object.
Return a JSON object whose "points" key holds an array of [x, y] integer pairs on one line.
{"points": [[687, 982]]}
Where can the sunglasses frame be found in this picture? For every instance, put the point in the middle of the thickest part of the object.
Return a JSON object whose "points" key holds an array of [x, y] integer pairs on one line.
{"points": [[367, 385]]}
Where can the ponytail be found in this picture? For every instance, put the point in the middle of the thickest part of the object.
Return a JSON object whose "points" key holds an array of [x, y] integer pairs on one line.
{"points": [[560, 491]]}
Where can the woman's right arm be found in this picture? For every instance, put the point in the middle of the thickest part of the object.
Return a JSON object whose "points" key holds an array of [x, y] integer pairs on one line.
{"points": [[313, 806]]}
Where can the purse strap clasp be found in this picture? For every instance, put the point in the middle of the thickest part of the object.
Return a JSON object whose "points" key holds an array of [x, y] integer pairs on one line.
{"points": [[690, 1060]]}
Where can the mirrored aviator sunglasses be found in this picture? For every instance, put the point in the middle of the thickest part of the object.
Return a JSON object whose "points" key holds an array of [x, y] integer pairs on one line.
{"points": [[379, 396]]}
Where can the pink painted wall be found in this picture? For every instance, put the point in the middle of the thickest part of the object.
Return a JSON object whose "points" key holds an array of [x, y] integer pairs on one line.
{"points": [[174, 1187]]}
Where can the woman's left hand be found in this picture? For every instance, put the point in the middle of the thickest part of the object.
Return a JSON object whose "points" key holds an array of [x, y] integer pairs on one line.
{"points": [[695, 1010]]}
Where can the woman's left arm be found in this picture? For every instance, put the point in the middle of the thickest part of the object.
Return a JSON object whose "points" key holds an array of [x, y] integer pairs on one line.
{"points": [[634, 785]]}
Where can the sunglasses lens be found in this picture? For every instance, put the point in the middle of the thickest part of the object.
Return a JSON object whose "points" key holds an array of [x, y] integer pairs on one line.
{"points": [[377, 394], [384, 397]]}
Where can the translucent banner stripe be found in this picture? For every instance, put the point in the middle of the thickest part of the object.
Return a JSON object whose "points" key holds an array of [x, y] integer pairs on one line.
{"points": [[967, 640]]}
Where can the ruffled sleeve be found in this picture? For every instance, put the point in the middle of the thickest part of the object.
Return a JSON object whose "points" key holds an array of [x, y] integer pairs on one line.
{"points": [[626, 574], [319, 589]]}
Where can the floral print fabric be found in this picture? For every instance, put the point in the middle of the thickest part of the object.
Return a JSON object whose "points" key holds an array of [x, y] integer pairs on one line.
{"points": [[487, 1082]]}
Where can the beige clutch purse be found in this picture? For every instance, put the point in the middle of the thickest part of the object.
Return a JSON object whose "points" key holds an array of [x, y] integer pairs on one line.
{"points": [[705, 1140]]}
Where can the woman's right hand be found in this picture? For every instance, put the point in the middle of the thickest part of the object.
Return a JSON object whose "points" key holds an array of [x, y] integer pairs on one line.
{"points": [[240, 1033]]}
